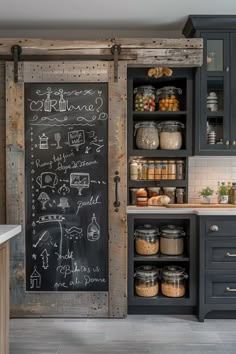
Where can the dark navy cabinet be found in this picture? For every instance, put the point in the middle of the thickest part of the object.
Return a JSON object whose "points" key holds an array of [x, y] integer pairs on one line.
{"points": [[217, 266], [215, 85]]}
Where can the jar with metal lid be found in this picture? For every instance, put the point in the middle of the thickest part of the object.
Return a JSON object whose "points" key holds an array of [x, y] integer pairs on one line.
{"points": [[147, 135], [164, 169], [172, 240], [170, 192], [151, 170], [180, 195], [146, 281], [144, 99], [173, 281], [158, 170], [170, 135], [179, 169], [133, 170], [146, 240], [144, 169], [133, 197], [168, 98], [153, 191], [171, 169]]}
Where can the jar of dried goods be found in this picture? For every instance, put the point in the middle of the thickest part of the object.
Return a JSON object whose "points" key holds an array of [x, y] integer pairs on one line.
{"points": [[171, 135], [172, 240], [164, 169], [170, 192], [146, 281], [151, 170], [173, 281], [180, 195], [146, 240], [133, 170], [158, 170], [153, 191], [147, 135], [168, 98], [144, 99], [133, 197], [144, 170], [171, 169], [179, 169]]}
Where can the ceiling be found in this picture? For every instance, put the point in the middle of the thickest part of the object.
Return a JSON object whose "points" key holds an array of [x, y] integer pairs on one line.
{"points": [[109, 15]]}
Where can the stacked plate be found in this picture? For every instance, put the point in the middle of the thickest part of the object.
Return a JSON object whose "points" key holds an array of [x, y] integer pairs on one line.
{"points": [[212, 102], [211, 137]]}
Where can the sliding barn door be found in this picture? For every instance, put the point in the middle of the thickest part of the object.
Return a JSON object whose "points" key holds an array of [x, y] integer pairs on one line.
{"points": [[66, 167]]}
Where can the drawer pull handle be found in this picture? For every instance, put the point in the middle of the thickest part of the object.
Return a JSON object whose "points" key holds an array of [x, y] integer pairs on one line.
{"points": [[230, 254], [230, 290], [214, 228]]}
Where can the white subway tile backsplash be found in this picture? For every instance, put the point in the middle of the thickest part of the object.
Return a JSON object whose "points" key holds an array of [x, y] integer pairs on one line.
{"points": [[208, 171]]}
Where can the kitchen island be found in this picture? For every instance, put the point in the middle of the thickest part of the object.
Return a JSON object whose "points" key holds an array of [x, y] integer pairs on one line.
{"points": [[6, 233]]}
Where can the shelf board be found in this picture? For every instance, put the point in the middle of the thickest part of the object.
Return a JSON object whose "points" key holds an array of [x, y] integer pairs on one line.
{"points": [[158, 153], [163, 182], [158, 115], [215, 114], [161, 258], [159, 300]]}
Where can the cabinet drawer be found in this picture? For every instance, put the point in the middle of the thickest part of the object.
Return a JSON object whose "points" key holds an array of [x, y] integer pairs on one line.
{"points": [[220, 226], [221, 254], [221, 288]]}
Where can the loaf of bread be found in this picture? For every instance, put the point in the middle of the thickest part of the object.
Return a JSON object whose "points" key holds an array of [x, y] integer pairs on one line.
{"points": [[159, 72], [159, 200]]}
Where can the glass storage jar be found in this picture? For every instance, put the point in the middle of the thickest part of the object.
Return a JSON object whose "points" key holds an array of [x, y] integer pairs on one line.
{"points": [[133, 197], [146, 281], [146, 240], [180, 195], [147, 135], [172, 240], [170, 135], [151, 170], [179, 169], [168, 98], [153, 191], [173, 282], [144, 99], [170, 192], [171, 169], [158, 169]]}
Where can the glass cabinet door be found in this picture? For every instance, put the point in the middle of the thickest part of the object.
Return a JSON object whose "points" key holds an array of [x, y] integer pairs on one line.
{"points": [[214, 111]]}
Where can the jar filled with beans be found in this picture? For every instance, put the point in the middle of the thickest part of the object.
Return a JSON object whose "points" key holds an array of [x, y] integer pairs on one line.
{"points": [[144, 99], [146, 240], [168, 99], [173, 281], [146, 281]]}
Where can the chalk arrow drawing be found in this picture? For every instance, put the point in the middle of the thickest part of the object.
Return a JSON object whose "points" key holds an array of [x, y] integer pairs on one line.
{"points": [[45, 256]]}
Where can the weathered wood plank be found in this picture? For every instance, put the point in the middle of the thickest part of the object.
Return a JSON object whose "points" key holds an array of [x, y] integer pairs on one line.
{"points": [[2, 145], [117, 220], [42, 46]]}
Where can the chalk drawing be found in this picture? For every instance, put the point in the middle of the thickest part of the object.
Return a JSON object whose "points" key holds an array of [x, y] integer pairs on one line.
{"points": [[35, 279]]}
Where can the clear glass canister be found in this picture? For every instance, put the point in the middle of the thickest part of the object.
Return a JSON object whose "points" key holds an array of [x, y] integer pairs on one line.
{"points": [[146, 281], [144, 99], [164, 169], [171, 135], [180, 195], [144, 169], [173, 281], [146, 240], [170, 192], [133, 170], [147, 135], [133, 197], [153, 191], [172, 240], [171, 169], [158, 170], [168, 98], [180, 169], [151, 170]]}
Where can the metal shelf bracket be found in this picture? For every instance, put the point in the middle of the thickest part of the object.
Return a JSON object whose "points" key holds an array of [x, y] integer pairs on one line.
{"points": [[16, 52], [115, 50]]}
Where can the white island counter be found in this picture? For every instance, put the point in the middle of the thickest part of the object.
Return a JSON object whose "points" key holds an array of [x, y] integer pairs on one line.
{"points": [[132, 209], [6, 233]]}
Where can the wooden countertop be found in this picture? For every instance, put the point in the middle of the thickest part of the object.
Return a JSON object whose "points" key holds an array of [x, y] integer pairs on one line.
{"points": [[8, 231]]}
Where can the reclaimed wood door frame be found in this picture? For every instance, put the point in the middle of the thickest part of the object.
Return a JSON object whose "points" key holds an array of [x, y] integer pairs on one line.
{"points": [[74, 304]]}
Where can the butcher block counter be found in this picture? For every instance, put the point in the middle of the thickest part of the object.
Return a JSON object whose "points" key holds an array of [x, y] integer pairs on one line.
{"points": [[197, 209], [6, 233]]}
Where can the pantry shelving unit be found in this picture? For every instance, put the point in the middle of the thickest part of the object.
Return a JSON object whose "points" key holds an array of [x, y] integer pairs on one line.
{"points": [[181, 78], [160, 303]]}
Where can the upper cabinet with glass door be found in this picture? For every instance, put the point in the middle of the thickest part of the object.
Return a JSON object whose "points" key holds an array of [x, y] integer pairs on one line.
{"points": [[214, 121]]}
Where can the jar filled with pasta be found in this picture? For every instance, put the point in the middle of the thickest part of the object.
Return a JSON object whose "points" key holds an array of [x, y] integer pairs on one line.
{"points": [[146, 281], [173, 281], [146, 240]]}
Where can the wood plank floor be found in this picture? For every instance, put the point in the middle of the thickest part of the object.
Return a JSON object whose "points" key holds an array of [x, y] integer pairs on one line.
{"points": [[133, 335]]}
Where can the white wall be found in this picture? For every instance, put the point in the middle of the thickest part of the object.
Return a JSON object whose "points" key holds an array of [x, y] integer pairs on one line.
{"points": [[207, 171]]}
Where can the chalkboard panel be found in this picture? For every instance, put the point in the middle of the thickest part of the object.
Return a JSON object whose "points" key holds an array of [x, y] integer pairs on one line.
{"points": [[66, 140]]}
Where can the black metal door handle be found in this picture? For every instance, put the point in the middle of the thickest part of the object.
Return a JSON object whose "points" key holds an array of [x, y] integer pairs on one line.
{"points": [[117, 181]]}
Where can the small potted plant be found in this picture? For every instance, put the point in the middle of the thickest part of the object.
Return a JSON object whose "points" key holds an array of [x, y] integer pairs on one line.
{"points": [[206, 194], [223, 193]]}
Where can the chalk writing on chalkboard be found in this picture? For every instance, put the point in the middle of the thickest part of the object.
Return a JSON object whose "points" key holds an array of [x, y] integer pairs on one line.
{"points": [[66, 132]]}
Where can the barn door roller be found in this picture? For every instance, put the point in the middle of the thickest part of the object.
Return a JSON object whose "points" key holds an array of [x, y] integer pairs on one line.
{"points": [[16, 52], [116, 49]]}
